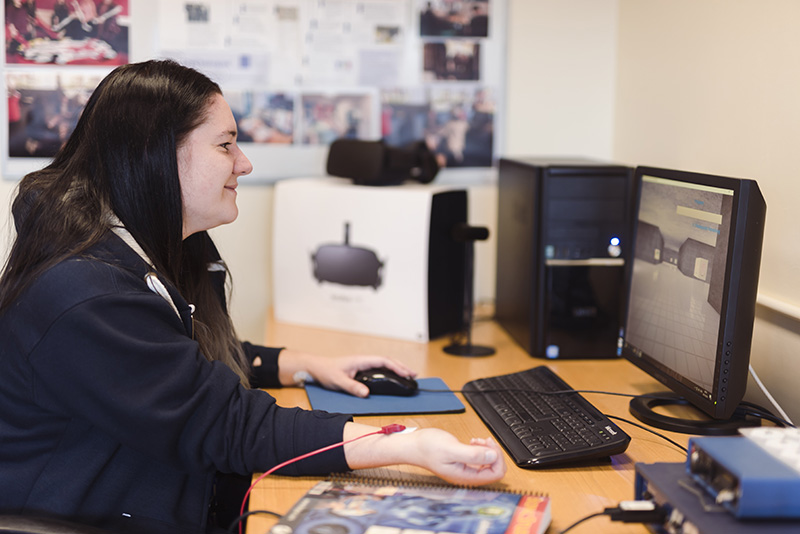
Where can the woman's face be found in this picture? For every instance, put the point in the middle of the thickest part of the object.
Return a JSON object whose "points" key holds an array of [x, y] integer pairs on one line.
{"points": [[209, 165]]}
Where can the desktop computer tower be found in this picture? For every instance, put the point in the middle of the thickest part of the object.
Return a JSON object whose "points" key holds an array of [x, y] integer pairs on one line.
{"points": [[562, 241]]}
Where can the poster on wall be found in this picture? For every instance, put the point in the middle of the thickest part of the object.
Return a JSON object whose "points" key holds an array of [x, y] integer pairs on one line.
{"points": [[334, 63], [57, 51], [297, 73], [453, 60], [454, 18], [263, 117], [43, 108], [457, 123], [327, 117], [58, 32]]}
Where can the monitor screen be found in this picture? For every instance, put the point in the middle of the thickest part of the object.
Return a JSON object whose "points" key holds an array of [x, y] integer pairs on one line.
{"points": [[692, 284]]}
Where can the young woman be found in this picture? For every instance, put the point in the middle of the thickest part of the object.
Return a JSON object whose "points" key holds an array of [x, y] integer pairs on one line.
{"points": [[125, 395]]}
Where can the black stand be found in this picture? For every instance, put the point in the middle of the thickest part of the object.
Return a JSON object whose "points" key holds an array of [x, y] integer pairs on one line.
{"points": [[642, 409], [468, 234]]}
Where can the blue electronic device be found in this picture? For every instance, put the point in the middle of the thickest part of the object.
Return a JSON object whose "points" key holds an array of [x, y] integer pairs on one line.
{"points": [[749, 481], [690, 510]]}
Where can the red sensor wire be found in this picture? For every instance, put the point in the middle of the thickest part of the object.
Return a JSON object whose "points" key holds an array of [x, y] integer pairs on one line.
{"points": [[388, 429]]}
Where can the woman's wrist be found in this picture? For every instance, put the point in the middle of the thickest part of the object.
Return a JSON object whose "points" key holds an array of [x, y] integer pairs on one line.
{"points": [[378, 450], [293, 368]]}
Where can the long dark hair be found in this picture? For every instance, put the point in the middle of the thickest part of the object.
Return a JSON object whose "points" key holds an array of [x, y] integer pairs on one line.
{"points": [[122, 160]]}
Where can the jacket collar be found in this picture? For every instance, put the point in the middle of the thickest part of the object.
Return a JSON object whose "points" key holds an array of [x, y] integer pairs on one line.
{"points": [[123, 248]]}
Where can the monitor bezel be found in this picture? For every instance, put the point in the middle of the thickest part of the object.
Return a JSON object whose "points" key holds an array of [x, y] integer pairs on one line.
{"points": [[740, 290]]}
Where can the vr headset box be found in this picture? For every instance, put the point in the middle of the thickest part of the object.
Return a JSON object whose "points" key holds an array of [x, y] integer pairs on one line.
{"points": [[373, 260]]}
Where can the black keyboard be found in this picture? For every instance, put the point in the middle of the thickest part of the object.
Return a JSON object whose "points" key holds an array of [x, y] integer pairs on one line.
{"points": [[539, 429]]}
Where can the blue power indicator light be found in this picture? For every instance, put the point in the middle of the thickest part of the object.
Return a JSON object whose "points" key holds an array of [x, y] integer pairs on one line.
{"points": [[614, 241]]}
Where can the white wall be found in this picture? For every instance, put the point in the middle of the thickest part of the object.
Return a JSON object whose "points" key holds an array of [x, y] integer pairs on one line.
{"points": [[6, 193], [712, 86], [246, 245], [561, 71]]}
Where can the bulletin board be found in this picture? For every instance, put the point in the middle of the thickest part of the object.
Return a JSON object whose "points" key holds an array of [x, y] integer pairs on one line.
{"points": [[297, 73]]}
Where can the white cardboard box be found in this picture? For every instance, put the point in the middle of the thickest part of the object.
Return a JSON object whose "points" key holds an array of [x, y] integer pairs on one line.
{"points": [[356, 258]]}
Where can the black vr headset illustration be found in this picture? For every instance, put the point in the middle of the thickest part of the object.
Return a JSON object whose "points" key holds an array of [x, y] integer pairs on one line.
{"points": [[347, 265]]}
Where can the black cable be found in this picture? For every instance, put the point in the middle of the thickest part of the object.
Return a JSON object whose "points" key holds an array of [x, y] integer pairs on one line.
{"points": [[579, 521], [769, 417], [638, 511], [756, 406], [766, 415], [662, 436], [763, 413], [538, 392], [760, 412], [233, 525]]}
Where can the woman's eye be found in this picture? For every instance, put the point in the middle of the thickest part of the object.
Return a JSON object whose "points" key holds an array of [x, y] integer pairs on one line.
{"points": [[226, 146]]}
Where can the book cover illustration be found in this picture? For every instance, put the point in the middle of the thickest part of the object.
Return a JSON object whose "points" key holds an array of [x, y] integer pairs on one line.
{"points": [[358, 507]]}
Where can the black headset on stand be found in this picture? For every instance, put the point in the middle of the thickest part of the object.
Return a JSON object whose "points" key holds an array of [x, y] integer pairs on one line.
{"points": [[375, 163], [467, 234]]}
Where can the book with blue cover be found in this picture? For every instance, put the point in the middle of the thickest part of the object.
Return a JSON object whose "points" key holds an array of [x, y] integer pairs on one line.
{"points": [[349, 505]]}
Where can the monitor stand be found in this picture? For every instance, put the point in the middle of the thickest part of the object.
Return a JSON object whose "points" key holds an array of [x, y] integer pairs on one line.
{"points": [[642, 408]]}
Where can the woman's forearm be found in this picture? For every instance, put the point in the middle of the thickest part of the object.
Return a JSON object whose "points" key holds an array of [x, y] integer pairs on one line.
{"points": [[479, 462]]}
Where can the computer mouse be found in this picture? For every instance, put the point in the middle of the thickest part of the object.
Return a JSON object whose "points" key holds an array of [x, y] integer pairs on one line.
{"points": [[383, 381]]}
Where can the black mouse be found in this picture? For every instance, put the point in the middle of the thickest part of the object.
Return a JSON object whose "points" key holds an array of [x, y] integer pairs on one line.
{"points": [[383, 381]]}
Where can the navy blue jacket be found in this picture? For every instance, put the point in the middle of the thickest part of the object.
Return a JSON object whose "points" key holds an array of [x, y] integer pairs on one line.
{"points": [[110, 415]]}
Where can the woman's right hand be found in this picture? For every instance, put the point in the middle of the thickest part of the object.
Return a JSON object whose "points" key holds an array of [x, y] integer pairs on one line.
{"points": [[336, 373]]}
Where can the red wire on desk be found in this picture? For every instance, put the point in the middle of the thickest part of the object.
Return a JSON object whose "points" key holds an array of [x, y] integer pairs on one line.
{"points": [[388, 429]]}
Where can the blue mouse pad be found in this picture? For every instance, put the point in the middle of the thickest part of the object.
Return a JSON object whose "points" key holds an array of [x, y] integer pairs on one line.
{"points": [[441, 400]]}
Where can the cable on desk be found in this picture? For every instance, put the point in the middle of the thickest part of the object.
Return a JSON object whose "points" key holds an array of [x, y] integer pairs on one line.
{"points": [[628, 512], [558, 392], [763, 413], [746, 408], [232, 526], [388, 429], [582, 520], [662, 436], [757, 411]]}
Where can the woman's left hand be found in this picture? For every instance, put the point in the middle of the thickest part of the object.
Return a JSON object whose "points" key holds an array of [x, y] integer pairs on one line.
{"points": [[335, 373]]}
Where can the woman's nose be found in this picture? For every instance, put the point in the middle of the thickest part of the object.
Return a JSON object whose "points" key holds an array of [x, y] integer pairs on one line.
{"points": [[243, 165]]}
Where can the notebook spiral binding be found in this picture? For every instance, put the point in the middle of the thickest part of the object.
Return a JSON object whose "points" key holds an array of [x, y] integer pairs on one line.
{"points": [[438, 484]]}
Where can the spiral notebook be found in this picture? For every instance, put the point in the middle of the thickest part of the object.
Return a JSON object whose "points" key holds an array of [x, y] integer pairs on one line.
{"points": [[349, 505], [434, 397]]}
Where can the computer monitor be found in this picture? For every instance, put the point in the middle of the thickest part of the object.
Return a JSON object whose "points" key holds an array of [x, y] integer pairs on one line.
{"points": [[692, 286]]}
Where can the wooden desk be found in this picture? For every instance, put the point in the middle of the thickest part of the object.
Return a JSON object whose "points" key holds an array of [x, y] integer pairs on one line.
{"points": [[576, 491]]}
